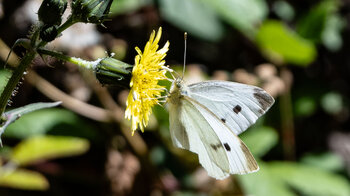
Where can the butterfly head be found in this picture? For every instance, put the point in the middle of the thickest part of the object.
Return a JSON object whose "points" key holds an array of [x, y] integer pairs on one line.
{"points": [[177, 91], [176, 86]]}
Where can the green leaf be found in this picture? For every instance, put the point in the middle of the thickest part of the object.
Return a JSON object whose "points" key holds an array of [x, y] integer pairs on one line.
{"points": [[263, 183], [331, 35], [190, 15], [243, 15], [5, 152], [18, 112], [125, 6], [322, 24], [282, 45], [47, 147], [305, 106], [312, 25], [332, 103], [24, 179], [157, 155], [260, 140], [284, 10], [53, 119], [4, 76], [12, 115], [186, 193], [310, 180], [326, 161]]}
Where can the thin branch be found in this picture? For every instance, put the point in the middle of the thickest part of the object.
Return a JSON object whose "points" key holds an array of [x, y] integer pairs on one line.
{"points": [[70, 102], [287, 119]]}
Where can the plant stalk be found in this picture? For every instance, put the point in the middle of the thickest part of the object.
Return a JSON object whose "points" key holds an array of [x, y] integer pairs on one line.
{"points": [[287, 120], [69, 22], [14, 79], [78, 61], [25, 62]]}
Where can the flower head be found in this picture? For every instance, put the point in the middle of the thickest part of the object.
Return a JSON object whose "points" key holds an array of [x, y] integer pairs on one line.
{"points": [[145, 90]]}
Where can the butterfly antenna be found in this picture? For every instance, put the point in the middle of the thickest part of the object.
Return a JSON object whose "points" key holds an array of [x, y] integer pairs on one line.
{"points": [[184, 67]]}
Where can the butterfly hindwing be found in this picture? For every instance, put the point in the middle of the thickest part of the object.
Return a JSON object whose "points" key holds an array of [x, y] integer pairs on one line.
{"points": [[177, 130], [237, 105], [220, 152], [182, 133]]}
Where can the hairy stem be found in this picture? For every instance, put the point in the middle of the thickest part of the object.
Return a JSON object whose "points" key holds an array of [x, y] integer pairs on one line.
{"points": [[74, 60], [15, 78], [25, 62]]}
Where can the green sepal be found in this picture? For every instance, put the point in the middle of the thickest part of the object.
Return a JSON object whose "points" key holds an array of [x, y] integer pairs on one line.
{"points": [[48, 32], [90, 11], [113, 71]]}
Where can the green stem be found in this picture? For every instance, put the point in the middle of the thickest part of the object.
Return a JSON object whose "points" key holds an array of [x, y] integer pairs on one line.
{"points": [[69, 22], [27, 59], [107, 70], [77, 61], [13, 81], [34, 38]]}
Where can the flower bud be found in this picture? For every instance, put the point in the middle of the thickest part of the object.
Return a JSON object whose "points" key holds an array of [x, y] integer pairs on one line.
{"points": [[48, 32], [90, 11], [113, 71], [51, 11]]}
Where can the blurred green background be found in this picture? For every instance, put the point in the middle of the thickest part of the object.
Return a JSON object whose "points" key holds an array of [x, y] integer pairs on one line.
{"points": [[298, 51]]}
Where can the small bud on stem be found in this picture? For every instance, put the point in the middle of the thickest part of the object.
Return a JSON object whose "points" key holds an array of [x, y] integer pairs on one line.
{"points": [[90, 11]]}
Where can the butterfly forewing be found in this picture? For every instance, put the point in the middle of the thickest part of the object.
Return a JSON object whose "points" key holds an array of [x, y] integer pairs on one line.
{"points": [[237, 105]]}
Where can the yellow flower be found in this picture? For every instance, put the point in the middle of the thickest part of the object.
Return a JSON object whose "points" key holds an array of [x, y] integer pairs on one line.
{"points": [[145, 91]]}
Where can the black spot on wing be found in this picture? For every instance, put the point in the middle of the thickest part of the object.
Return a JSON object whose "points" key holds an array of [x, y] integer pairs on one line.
{"points": [[215, 146], [261, 111], [227, 147], [237, 109], [223, 120], [264, 99]]}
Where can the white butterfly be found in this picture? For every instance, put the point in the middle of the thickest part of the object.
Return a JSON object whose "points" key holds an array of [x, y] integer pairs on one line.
{"points": [[206, 117]]}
